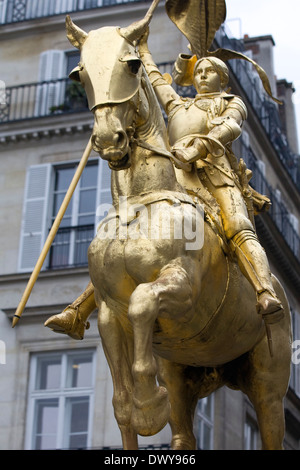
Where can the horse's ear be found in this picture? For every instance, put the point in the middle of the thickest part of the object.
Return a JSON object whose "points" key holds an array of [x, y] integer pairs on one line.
{"points": [[134, 32], [75, 35]]}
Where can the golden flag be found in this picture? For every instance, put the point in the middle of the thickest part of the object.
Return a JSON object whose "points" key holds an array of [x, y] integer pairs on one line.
{"points": [[199, 20]]}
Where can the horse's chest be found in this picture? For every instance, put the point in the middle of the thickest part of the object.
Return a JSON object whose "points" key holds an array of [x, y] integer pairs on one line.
{"points": [[108, 269]]}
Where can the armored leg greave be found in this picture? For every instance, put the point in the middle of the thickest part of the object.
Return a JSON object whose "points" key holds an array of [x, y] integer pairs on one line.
{"points": [[254, 264]]}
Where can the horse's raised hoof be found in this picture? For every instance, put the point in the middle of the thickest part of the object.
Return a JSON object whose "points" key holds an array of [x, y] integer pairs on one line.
{"points": [[69, 323], [150, 416]]}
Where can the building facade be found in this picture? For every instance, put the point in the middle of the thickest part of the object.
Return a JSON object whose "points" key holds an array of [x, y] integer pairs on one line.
{"points": [[56, 392]]}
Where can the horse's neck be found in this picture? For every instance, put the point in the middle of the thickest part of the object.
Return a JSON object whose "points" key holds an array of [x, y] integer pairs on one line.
{"points": [[149, 170]]}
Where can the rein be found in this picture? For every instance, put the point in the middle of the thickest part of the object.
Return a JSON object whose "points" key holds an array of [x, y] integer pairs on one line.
{"points": [[162, 153]]}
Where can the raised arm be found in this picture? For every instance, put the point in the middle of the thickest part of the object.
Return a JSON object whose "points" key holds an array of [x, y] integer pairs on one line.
{"points": [[164, 91]]}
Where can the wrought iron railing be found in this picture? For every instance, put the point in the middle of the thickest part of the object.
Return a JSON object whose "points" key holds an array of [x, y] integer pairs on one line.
{"points": [[278, 211], [14, 11], [35, 100], [266, 110]]}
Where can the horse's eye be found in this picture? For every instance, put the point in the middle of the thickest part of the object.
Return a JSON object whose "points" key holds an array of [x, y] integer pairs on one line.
{"points": [[134, 66]]}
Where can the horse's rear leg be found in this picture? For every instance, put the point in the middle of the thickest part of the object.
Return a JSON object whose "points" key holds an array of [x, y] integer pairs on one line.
{"points": [[167, 296], [266, 392], [265, 380], [117, 351]]}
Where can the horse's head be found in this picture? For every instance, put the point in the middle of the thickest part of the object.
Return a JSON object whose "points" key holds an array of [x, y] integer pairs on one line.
{"points": [[110, 71]]}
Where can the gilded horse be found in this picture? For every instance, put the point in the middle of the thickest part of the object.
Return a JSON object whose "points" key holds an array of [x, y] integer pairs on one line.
{"points": [[177, 321]]}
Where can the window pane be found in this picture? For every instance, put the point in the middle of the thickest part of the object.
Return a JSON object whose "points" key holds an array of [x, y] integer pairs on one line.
{"points": [[46, 424], [60, 249], [72, 61], [87, 201], [58, 199], [78, 410], [106, 176], [48, 376], [80, 370], [84, 236], [206, 438], [86, 220], [206, 406], [89, 176], [204, 423], [251, 435], [63, 178]]}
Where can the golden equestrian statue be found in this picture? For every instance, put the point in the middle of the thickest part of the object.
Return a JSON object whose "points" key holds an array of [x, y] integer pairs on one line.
{"points": [[178, 316]]}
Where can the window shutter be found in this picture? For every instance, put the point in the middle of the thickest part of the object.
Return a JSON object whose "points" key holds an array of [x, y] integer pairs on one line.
{"points": [[3, 6], [64, 6], [34, 219], [51, 92]]}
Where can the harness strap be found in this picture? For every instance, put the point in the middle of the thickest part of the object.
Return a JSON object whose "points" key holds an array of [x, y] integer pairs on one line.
{"points": [[162, 153]]}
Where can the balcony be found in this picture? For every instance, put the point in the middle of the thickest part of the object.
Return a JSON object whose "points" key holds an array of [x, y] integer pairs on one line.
{"points": [[280, 215], [266, 110], [14, 11], [36, 100]]}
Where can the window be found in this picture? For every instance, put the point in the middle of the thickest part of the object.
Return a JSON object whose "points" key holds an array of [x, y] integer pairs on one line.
{"points": [[50, 92], [203, 424], [251, 434], [3, 6], [45, 189], [60, 410], [77, 227]]}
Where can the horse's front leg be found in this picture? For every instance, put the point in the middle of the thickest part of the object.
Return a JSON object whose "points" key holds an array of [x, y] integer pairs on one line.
{"points": [[169, 295], [150, 402], [117, 348]]}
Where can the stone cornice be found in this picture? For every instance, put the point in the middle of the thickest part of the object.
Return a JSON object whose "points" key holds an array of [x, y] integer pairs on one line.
{"points": [[47, 274], [56, 22], [50, 126]]}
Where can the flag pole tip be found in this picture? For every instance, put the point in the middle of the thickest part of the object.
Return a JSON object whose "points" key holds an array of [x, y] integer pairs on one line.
{"points": [[15, 320]]}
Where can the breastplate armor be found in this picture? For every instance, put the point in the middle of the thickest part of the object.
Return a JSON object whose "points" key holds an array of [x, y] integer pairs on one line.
{"points": [[187, 119]]}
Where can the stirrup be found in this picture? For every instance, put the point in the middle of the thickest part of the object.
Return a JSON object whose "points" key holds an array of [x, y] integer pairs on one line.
{"points": [[68, 322], [269, 307]]}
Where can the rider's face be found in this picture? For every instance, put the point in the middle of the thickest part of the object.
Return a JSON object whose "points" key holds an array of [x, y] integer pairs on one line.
{"points": [[206, 79]]}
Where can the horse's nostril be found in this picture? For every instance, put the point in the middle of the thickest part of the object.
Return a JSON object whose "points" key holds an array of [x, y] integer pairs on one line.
{"points": [[94, 142], [120, 139]]}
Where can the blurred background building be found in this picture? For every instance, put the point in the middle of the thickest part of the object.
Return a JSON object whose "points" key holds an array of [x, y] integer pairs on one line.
{"points": [[56, 392]]}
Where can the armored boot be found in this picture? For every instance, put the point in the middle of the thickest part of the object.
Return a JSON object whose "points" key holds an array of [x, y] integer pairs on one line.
{"points": [[254, 264], [73, 320]]}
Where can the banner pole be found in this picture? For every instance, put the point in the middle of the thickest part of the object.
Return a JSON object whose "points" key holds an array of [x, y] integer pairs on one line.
{"points": [[52, 233]]}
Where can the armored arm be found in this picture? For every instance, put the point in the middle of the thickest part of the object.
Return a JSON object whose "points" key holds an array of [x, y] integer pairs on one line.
{"points": [[224, 121], [227, 127], [163, 90]]}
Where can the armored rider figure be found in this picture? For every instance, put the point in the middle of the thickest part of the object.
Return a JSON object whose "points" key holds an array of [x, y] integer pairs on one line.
{"points": [[201, 131]]}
